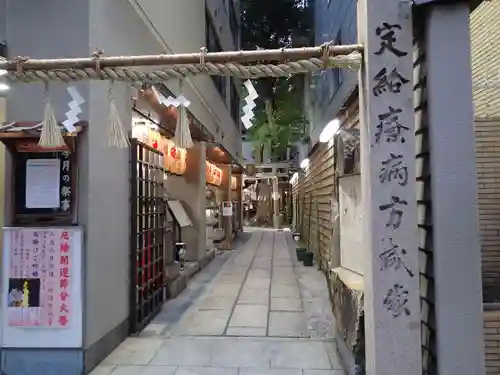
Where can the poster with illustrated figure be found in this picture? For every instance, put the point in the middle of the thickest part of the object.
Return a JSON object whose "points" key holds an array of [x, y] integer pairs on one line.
{"points": [[39, 292]]}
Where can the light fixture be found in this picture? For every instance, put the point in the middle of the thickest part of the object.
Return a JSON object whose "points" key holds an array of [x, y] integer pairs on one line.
{"points": [[4, 87], [329, 131], [304, 163], [294, 178], [2, 71]]}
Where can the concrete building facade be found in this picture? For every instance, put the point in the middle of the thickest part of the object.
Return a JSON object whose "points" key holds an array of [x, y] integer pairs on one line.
{"points": [[333, 21], [76, 28]]}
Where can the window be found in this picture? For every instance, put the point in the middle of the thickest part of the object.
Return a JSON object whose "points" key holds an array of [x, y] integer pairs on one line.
{"points": [[323, 89], [3, 50], [235, 102], [234, 24], [337, 73], [213, 45]]}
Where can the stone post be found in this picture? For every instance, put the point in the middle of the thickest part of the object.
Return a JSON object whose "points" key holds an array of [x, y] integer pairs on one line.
{"points": [[391, 275], [226, 194], [456, 243], [275, 199], [239, 219]]}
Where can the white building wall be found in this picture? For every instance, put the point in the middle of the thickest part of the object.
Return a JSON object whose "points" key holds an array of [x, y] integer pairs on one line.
{"points": [[76, 28], [179, 27]]}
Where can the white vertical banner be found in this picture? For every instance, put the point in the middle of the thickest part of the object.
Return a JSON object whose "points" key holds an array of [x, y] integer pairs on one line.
{"points": [[392, 293]]}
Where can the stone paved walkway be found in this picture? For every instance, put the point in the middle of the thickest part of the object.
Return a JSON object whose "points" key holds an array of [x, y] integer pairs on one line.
{"points": [[254, 311]]}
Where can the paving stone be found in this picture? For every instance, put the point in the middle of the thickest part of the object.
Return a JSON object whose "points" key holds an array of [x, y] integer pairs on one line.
{"points": [[246, 331], [261, 263], [249, 316], [299, 355], [226, 290], [152, 330], [184, 352], [286, 304], [254, 297], [103, 370], [284, 291], [217, 303], [229, 279], [206, 371], [283, 272], [134, 351], [144, 370], [282, 263], [287, 324], [257, 283], [292, 281], [205, 322], [266, 274], [240, 353], [269, 371]]}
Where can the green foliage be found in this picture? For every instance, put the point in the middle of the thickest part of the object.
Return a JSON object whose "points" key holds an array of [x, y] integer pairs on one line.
{"points": [[272, 24], [289, 124], [276, 24]]}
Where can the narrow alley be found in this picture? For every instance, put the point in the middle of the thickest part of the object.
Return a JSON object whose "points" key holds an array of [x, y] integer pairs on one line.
{"points": [[253, 311]]}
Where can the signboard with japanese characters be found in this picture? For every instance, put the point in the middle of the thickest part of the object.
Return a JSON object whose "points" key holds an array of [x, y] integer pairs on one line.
{"points": [[174, 157], [392, 303], [42, 288], [213, 174]]}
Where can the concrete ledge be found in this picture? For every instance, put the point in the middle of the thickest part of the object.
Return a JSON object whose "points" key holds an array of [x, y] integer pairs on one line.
{"points": [[176, 286], [352, 363], [346, 288], [100, 349], [42, 361], [57, 361]]}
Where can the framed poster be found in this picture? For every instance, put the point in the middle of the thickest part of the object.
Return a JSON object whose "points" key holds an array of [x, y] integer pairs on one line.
{"points": [[42, 287], [45, 184]]}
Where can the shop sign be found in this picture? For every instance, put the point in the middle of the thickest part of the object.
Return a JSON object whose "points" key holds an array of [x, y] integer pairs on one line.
{"points": [[213, 174], [174, 157], [154, 139], [234, 183]]}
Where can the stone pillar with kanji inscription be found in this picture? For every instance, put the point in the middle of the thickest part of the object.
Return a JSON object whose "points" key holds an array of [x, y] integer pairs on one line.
{"points": [[391, 275]]}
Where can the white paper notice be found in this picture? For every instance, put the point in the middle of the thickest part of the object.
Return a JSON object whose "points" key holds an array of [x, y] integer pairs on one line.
{"points": [[43, 183], [227, 209]]}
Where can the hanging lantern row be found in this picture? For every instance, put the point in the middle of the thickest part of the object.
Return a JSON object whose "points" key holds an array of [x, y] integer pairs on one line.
{"points": [[51, 136]]}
